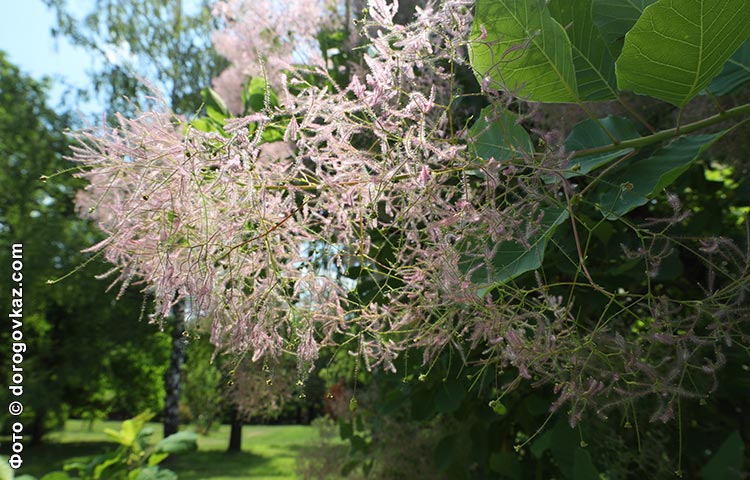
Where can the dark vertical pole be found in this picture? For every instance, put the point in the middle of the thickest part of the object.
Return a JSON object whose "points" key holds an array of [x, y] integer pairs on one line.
{"points": [[235, 434], [173, 377]]}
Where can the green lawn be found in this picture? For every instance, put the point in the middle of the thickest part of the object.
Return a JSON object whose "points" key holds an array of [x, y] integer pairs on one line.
{"points": [[268, 452]]}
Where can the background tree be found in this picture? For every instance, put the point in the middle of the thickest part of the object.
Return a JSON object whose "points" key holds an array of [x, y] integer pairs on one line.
{"points": [[143, 45], [83, 349], [225, 386], [203, 385], [257, 392]]}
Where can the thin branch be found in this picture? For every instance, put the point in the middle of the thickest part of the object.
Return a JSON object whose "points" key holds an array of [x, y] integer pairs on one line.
{"points": [[667, 134]]}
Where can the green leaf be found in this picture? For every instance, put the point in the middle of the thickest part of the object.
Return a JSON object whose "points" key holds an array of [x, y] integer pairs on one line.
{"points": [[541, 444], [254, 96], [615, 18], [678, 46], [208, 124], [178, 443], [272, 134], [6, 473], [583, 468], [53, 476], [497, 134], [563, 444], [101, 464], [634, 184], [422, 404], [512, 258], [78, 466], [536, 404], [445, 451], [155, 473], [126, 435], [214, 103], [589, 134], [726, 463], [594, 65], [736, 72], [216, 116], [143, 437], [449, 396], [526, 51], [506, 464], [157, 458]]}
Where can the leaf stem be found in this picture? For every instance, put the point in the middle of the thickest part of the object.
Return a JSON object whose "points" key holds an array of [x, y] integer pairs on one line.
{"points": [[667, 134]]}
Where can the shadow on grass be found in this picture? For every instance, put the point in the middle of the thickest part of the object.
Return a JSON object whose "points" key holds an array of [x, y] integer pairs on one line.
{"points": [[198, 465], [288, 448]]}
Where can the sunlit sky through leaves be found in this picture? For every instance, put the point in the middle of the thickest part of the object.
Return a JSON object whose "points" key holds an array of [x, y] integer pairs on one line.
{"points": [[25, 36]]}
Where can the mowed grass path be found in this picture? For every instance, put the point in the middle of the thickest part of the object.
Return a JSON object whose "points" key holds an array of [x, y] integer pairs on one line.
{"points": [[268, 452]]}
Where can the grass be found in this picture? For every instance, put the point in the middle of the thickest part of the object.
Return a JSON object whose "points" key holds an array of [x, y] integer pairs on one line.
{"points": [[268, 452]]}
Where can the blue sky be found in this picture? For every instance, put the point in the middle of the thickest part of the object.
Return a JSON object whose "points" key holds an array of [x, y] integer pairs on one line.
{"points": [[25, 36]]}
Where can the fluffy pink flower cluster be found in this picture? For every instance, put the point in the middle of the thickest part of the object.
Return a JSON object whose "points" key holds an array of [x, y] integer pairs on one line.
{"points": [[374, 177], [264, 38]]}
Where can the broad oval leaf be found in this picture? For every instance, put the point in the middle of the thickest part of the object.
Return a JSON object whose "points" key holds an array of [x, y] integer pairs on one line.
{"points": [[542, 443], [51, 476], [589, 134], [156, 458], [445, 452], [727, 461], [507, 464], [736, 72], [614, 18], [583, 467], [509, 259], [6, 473], [632, 185], [678, 46], [155, 473], [449, 396], [128, 432], [525, 51], [254, 96], [497, 134], [178, 443], [594, 65], [215, 105]]}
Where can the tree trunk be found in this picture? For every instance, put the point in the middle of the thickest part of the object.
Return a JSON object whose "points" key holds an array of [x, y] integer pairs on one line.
{"points": [[173, 377], [235, 434], [37, 427]]}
